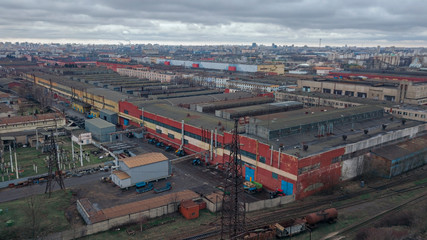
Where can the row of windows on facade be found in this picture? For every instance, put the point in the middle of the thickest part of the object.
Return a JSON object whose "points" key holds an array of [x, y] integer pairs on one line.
{"points": [[408, 114]]}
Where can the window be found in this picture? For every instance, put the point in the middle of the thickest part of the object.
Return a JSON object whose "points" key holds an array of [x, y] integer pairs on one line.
{"points": [[126, 111], [274, 175], [185, 141], [158, 130], [171, 136], [262, 159]]}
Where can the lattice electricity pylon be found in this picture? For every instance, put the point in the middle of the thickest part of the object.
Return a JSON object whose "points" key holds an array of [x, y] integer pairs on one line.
{"points": [[233, 206], [53, 165]]}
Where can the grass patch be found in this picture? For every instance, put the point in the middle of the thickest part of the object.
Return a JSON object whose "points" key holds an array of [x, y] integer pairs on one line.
{"points": [[421, 181], [158, 228], [48, 213], [30, 156], [365, 196]]}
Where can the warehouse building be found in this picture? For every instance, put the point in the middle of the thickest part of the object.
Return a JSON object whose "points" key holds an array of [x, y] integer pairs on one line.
{"points": [[393, 160], [280, 161], [142, 168], [108, 116], [412, 112], [302, 155], [262, 109], [101, 130], [303, 121], [399, 91], [210, 107]]}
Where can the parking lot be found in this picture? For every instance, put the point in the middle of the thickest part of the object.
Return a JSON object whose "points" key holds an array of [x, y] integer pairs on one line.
{"points": [[199, 179]]}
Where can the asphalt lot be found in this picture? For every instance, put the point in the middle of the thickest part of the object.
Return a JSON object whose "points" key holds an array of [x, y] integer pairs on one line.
{"points": [[10, 194]]}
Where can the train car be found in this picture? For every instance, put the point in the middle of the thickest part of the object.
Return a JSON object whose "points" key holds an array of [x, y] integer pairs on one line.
{"points": [[290, 228], [293, 227], [328, 215]]}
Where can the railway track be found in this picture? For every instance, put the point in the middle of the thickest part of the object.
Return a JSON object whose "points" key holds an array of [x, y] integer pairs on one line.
{"points": [[269, 218], [374, 218], [301, 211]]}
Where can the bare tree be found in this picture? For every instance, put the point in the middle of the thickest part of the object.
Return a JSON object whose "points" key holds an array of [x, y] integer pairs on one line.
{"points": [[33, 214]]}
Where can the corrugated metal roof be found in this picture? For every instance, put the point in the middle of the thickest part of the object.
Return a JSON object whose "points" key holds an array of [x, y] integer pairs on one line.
{"points": [[108, 94], [143, 205], [399, 150], [279, 122], [32, 118], [108, 112], [144, 159], [121, 175]]}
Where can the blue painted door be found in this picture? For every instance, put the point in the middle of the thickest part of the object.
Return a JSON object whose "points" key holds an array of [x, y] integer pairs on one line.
{"points": [[287, 187], [125, 121], [249, 174]]}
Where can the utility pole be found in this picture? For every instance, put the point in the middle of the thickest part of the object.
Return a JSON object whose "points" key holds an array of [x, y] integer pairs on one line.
{"points": [[72, 148], [233, 205], [16, 165], [81, 155], [37, 139], [11, 160], [54, 171]]}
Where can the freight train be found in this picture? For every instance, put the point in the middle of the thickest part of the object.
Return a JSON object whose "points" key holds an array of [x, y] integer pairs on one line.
{"points": [[293, 227]]}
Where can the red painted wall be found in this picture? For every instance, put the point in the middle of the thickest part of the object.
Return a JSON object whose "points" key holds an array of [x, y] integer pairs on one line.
{"points": [[324, 177], [114, 66], [308, 183]]}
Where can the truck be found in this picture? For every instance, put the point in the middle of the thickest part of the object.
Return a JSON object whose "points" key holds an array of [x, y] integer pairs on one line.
{"points": [[163, 189], [143, 187], [252, 187]]}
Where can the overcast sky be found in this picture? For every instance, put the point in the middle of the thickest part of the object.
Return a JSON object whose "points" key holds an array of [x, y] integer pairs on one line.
{"points": [[283, 22]]}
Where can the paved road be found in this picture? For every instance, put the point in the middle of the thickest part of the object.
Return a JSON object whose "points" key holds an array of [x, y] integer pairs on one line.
{"points": [[9, 194]]}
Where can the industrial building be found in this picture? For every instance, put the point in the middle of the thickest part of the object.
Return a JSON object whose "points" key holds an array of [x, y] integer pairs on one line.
{"points": [[301, 151], [412, 112], [393, 160], [81, 137], [262, 109], [398, 90], [267, 68], [101, 130], [31, 123], [108, 116], [305, 121], [142, 168], [147, 74]]}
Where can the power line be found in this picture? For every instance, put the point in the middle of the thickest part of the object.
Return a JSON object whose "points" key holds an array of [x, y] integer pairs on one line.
{"points": [[233, 206], [54, 171]]}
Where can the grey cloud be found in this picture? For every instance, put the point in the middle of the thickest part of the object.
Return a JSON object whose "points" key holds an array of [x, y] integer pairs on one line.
{"points": [[277, 21]]}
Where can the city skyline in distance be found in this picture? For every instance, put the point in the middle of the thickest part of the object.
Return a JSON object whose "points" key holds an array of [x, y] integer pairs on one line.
{"points": [[337, 23]]}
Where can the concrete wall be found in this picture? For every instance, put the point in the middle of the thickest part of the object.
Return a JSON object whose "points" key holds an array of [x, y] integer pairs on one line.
{"points": [[352, 168], [388, 137], [269, 203], [113, 223], [213, 206]]}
